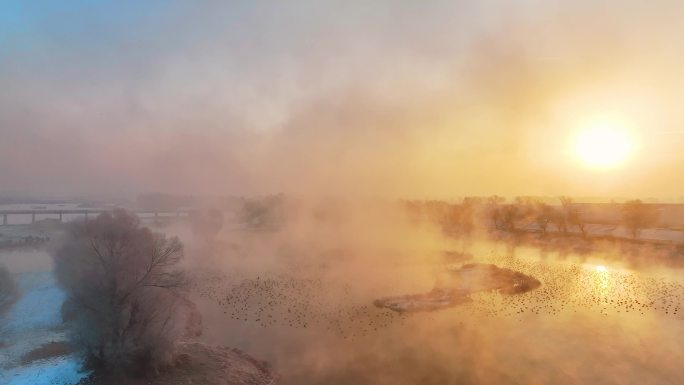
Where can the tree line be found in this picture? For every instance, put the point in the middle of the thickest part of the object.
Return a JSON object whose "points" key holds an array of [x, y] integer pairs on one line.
{"points": [[495, 213]]}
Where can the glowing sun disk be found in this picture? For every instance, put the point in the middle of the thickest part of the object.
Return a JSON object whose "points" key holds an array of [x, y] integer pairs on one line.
{"points": [[603, 146]]}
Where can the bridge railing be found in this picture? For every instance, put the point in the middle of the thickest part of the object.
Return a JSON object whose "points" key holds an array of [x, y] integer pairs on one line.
{"points": [[61, 214]]}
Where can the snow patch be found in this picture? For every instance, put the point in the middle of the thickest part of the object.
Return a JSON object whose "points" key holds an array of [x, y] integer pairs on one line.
{"points": [[63, 370], [39, 305], [33, 321]]}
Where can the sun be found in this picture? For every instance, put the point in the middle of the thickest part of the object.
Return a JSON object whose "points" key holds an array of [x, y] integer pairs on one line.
{"points": [[603, 145]]}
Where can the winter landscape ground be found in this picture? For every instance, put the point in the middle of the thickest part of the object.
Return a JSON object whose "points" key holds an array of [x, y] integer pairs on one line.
{"points": [[306, 300]]}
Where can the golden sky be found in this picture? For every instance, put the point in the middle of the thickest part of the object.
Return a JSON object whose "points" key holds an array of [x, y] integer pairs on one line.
{"points": [[398, 98]]}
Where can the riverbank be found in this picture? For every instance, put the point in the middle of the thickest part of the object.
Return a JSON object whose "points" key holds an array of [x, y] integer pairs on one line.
{"points": [[34, 348]]}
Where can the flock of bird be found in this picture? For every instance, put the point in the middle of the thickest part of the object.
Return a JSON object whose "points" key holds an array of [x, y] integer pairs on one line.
{"points": [[298, 301], [573, 287]]}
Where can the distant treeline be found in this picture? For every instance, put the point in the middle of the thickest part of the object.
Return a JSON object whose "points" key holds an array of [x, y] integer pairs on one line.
{"points": [[527, 214], [562, 215]]}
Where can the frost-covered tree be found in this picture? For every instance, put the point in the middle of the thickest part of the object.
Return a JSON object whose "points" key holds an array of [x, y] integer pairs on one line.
{"points": [[125, 293]]}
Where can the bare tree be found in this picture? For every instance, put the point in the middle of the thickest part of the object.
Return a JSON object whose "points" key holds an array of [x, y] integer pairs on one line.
{"points": [[495, 200], [267, 213], [544, 215], [637, 215], [509, 216], [8, 288], [495, 211], [563, 215], [125, 290], [526, 207], [560, 219], [576, 219], [573, 216], [467, 214]]}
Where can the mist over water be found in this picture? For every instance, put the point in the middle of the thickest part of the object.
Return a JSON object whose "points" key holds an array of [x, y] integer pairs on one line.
{"points": [[304, 302], [298, 292]]}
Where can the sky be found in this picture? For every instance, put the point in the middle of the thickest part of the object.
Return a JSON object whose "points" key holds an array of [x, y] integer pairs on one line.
{"points": [[384, 98]]}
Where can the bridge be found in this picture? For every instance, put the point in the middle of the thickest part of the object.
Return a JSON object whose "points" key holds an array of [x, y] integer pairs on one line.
{"points": [[62, 214]]}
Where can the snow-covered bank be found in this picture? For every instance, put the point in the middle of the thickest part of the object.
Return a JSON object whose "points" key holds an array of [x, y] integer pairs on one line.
{"points": [[64, 370], [33, 321]]}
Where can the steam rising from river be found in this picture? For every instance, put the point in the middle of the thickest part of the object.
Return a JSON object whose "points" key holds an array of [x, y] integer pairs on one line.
{"points": [[301, 297]]}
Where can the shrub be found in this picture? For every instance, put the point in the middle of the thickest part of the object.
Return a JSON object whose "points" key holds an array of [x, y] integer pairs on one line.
{"points": [[125, 292]]}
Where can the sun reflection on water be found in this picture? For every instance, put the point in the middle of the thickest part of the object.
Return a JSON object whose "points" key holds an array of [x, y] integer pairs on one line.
{"points": [[604, 281]]}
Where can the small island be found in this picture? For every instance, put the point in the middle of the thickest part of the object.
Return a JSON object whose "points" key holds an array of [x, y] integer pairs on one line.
{"points": [[456, 285]]}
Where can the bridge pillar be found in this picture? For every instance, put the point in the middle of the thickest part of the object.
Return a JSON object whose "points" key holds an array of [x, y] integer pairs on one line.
{"points": [[4, 219], [33, 218], [60, 217]]}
